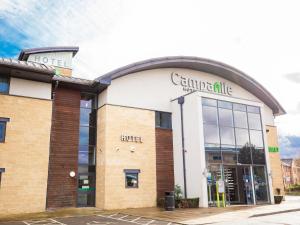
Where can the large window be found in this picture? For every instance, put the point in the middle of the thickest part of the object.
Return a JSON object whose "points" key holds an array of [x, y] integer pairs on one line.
{"points": [[86, 151], [3, 122], [232, 131], [4, 84]]}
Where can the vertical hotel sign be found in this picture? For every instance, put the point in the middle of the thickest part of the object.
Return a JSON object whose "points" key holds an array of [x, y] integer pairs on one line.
{"points": [[189, 85]]}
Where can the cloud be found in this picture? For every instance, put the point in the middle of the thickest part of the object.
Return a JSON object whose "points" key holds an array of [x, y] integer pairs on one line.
{"points": [[289, 146], [293, 77]]}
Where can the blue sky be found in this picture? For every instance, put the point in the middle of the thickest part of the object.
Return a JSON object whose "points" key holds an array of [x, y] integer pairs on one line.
{"points": [[258, 37]]}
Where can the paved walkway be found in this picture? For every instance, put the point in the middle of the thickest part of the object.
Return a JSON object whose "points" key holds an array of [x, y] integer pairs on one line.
{"points": [[155, 216], [292, 204]]}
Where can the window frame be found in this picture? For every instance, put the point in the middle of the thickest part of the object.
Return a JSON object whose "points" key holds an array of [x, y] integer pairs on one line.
{"points": [[4, 121], [8, 83], [132, 171]]}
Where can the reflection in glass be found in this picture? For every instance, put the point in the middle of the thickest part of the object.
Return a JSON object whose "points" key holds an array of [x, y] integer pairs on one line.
{"points": [[211, 134], [240, 119], [213, 154], [258, 156], [254, 121], [260, 184], [224, 104], [229, 154], [210, 115], [239, 107], [131, 180], [253, 109], [4, 84], [256, 138], [242, 136], [227, 136], [244, 154], [225, 117], [87, 155], [85, 116], [209, 102]]}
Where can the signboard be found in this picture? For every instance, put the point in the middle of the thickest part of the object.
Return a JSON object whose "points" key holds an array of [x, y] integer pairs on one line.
{"points": [[221, 186], [57, 59], [131, 138], [273, 149], [193, 84]]}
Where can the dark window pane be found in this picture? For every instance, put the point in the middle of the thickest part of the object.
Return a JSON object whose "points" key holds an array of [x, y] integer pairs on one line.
{"points": [[2, 131], [227, 136], [213, 154], [244, 154], [163, 120], [239, 107], [211, 134], [131, 180], [242, 136], [223, 104], [157, 119], [258, 156], [254, 121], [225, 117], [256, 138], [240, 119], [229, 154], [252, 109], [166, 120], [210, 115], [4, 84], [209, 102]]}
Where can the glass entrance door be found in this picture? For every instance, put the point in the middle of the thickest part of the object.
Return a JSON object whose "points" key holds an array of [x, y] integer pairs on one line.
{"points": [[245, 185], [260, 184]]}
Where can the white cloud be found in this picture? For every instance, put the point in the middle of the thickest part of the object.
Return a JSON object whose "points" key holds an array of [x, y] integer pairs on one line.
{"points": [[258, 37]]}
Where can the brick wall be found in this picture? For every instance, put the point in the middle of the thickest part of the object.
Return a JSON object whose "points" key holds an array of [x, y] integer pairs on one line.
{"points": [[62, 189], [164, 161]]}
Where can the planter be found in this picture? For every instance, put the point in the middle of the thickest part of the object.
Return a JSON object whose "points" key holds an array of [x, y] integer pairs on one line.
{"points": [[187, 203], [278, 199]]}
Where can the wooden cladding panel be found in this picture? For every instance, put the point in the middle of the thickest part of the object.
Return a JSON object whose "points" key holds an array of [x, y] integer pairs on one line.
{"points": [[62, 189], [164, 161]]}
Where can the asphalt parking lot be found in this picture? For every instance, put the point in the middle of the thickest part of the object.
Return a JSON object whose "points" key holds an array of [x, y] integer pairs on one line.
{"points": [[114, 219]]}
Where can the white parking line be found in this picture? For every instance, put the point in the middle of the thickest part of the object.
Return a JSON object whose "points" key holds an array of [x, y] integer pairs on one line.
{"points": [[43, 222]]}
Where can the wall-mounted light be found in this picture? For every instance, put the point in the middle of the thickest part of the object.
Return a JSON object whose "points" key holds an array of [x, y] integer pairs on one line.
{"points": [[72, 174], [132, 149]]}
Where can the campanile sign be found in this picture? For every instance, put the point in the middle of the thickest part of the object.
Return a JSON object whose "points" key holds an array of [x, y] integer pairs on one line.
{"points": [[192, 84]]}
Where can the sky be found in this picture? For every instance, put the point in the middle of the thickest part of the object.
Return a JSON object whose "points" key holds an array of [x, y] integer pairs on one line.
{"points": [[260, 38]]}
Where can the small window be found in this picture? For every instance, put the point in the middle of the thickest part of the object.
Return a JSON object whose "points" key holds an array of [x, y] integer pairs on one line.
{"points": [[131, 178], [3, 122], [4, 84], [163, 120], [2, 170]]}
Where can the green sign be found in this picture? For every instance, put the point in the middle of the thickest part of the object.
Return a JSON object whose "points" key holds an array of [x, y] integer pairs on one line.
{"points": [[273, 149]]}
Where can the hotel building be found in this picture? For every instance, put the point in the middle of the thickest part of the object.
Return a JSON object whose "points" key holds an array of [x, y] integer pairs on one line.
{"points": [[124, 138]]}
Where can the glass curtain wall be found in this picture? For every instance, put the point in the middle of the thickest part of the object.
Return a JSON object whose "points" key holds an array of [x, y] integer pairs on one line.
{"points": [[234, 144], [86, 152]]}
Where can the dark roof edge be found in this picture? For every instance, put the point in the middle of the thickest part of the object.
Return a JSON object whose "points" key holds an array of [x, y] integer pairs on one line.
{"points": [[201, 64], [27, 66], [25, 52]]}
